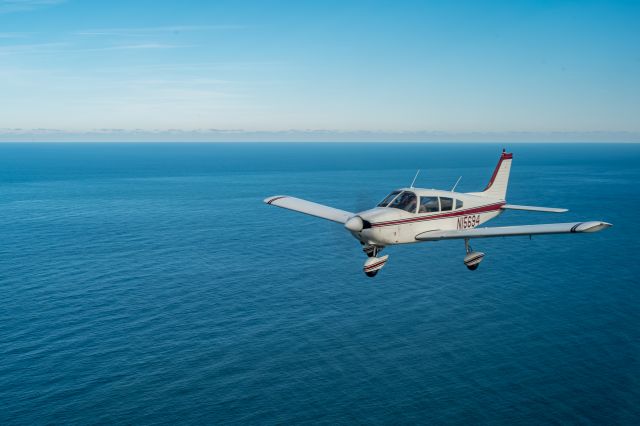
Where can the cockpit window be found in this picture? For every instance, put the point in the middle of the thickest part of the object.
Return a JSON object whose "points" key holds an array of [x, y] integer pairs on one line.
{"points": [[388, 199], [429, 204], [446, 204], [406, 201]]}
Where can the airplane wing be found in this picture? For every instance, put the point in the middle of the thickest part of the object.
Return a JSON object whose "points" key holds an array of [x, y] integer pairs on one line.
{"points": [[511, 231], [533, 208], [310, 208]]}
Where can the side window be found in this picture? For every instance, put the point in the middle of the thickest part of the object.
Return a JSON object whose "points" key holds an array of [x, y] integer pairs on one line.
{"points": [[428, 204], [458, 204], [446, 204], [406, 201]]}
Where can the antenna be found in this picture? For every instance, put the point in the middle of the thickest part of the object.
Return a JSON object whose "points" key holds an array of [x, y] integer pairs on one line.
{"points": [[414, 178], [454, 186]]}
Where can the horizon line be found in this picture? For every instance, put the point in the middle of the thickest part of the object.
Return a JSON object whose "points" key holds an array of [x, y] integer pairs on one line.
{"points": [[21, 135]]}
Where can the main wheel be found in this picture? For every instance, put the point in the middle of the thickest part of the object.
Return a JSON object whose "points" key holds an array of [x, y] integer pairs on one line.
{"points": [[472, 260], [372, 273]]}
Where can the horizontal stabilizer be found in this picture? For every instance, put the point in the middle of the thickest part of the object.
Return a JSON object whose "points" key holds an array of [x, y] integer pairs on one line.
{"points": [[310, 208], [533, 208], [512, 231]]}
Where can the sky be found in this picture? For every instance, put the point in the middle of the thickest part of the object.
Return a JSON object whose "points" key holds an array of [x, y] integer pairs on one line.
{"points": [[239, 70]]}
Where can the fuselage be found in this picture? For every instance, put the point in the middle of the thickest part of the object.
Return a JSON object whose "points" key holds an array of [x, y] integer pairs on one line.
{"points": [[408, 212]]}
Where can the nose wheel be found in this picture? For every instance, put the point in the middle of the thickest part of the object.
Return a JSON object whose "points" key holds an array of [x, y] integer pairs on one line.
{"points": [[373, 265], [473, 258]]}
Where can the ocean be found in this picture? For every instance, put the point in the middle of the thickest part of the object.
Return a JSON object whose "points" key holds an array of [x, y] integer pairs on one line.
{"points": [[149, 284]]}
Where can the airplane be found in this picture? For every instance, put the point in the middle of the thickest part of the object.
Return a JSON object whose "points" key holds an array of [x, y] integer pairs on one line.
{"points": [[412, 215]]}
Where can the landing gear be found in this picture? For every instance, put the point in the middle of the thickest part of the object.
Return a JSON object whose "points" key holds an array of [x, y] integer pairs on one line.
{"points": [[373, 264], [371, 250], [473, 258]]}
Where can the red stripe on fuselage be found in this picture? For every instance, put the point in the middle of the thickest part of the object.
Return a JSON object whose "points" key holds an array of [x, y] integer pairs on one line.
{"points": [[481, 209]]}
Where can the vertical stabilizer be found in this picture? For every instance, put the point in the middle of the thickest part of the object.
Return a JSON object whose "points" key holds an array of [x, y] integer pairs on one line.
{"points": [[497, 187]]}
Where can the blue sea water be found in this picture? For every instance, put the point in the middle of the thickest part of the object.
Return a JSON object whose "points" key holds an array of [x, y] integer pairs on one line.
{"points": [[149, 284]]}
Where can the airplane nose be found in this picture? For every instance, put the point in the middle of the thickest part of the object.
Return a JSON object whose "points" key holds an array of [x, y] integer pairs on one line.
{"points": [[354, 224]]}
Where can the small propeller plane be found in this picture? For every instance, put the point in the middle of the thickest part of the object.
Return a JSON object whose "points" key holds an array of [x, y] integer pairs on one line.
{"points": [[411, 215]]}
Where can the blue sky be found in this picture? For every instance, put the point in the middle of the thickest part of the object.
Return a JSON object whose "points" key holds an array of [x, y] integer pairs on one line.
{"points": [[319, 70]]}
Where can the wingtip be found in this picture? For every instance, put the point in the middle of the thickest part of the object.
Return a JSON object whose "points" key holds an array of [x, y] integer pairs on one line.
{"points": [[593, 226], [270, 200]]}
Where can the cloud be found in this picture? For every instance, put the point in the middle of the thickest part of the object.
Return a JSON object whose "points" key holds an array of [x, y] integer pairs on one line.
{"points": [[139, 46], [30, 48], [10, 6], [48, 48], [15, 35], [145, 31]]}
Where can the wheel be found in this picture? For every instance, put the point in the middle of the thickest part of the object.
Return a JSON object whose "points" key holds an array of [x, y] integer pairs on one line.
{"points": [[472, 260], [371, 274]]}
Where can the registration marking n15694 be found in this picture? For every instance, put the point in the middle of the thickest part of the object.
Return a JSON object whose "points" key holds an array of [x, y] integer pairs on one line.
{"points": [[470, 221]]}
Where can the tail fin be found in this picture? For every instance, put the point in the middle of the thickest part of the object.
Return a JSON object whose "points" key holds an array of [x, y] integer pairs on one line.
{"points": [[497, 187]]}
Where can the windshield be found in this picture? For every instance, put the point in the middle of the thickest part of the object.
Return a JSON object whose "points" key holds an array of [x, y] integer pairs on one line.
{"points": [[388, 199], [406, 201]]}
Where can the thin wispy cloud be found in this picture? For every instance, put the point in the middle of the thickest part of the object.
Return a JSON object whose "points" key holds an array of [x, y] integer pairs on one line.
{"points": [[138, 46], [145, 31], [10, 6], [31, 48], [11, 35], [69, 48], [203, 67]]}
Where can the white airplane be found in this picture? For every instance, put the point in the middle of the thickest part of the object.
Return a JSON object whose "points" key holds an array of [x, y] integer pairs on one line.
{"points": [[411, 215]]}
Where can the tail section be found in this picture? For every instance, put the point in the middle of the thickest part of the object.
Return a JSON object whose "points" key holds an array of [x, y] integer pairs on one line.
{"points": [[497, 187]]}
